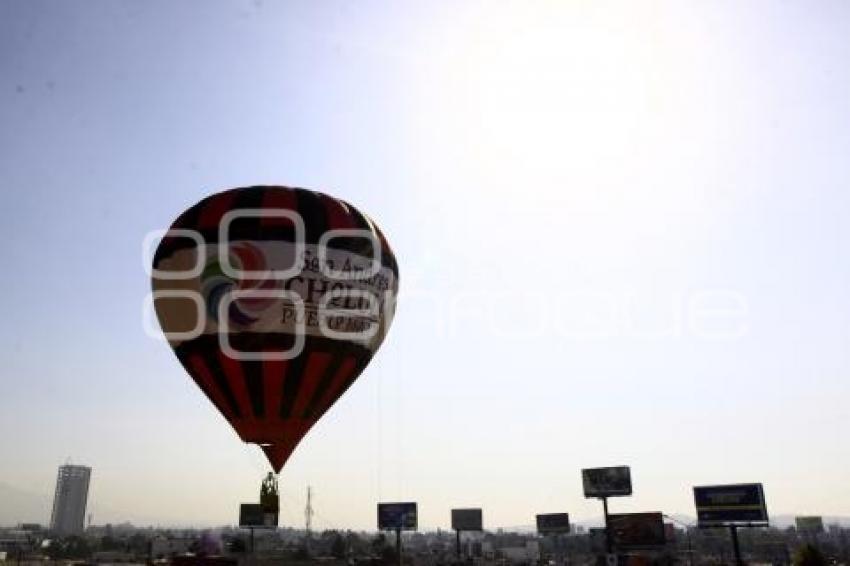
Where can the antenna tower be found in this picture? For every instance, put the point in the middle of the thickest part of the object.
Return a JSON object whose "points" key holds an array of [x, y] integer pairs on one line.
{"points": [[308, 510]]}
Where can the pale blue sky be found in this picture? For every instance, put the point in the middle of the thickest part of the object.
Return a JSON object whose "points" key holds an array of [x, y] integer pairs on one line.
{"points": [[563, 184]]}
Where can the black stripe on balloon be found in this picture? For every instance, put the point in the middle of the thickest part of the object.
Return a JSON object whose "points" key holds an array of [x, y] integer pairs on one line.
{"points": [[390, 262], [238, 231], [292, 383], [324, 382], [253, 372], [256, 342], [310, 206], [363, 246], [207, 347], [362, 362], [184, 360], [185, 221], [191, 216], [343, 243], [223, 383], [246, 227], [386, 253], [314, 214]]}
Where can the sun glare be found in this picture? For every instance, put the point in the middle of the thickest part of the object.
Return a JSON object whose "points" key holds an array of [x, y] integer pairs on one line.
{"points": [[578, 115]]}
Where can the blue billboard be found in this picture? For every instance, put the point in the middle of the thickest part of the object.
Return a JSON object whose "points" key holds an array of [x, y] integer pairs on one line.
{"points": [[397, 516]]}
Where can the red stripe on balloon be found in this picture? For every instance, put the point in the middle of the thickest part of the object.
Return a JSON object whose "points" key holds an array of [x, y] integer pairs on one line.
{"points": [[202, 376], [211, 215], [274, 373], [335, 387], [337, 214], [276, 200], [315, 367], [236, 380]]}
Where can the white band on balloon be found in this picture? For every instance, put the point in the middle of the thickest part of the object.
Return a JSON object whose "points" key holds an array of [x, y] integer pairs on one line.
{"points": [[371, 313], [274, 356], [174, 336]]}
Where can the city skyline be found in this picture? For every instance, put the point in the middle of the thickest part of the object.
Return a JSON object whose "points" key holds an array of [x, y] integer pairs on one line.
{"points": [[292, 512], [621, 237], [29, 518]]}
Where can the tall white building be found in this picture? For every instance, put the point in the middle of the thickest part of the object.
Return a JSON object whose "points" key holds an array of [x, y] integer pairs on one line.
{"points": [[69, 501]]}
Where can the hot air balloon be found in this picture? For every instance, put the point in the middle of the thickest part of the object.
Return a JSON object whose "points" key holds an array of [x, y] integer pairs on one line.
{"points": [[274, 300]]}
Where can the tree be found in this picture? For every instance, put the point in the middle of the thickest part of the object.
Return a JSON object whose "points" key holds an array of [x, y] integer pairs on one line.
{"points": [[138, 544], [107, 542], [378, 544], [301, 553], [355, 544], [809, 555], [238, 545], [389, 555], [338, 546], [382, 549]]}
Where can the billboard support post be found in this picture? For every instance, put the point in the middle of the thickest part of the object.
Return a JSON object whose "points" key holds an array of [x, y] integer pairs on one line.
{"points": [[398, 517], [254, 516], [553, 527], [560, 544], [602, 483], [690, 548], [733, 506], [735, 546], [466, 520]]}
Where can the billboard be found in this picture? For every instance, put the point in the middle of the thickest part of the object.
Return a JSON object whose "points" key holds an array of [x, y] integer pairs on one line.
{"points": [[397, 516], [467, 520], [637, 530], [811, 524], [251, 515], [607, 482], [553, 523], [719, 505]]}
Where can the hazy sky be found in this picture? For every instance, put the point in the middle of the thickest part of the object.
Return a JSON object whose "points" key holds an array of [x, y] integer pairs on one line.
{"points": [[621, 229]]}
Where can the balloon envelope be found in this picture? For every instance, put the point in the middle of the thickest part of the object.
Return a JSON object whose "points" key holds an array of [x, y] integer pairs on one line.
{"points": [[274, 300]]}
